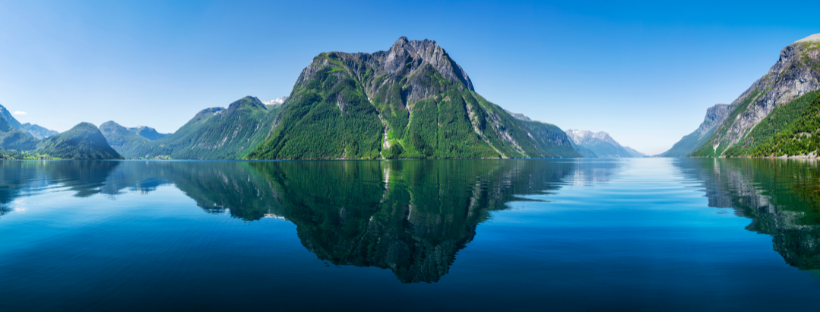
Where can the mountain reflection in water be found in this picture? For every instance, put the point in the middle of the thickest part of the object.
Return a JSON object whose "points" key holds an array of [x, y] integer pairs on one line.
{"points": [[409, 216], [413, 217], [782, 197]]}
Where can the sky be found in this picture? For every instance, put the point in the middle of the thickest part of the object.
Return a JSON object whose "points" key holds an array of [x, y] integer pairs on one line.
{"points": [[645, 72]]}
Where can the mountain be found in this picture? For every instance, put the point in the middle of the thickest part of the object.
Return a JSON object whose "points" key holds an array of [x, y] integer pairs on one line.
{"points": [[633, 152], [801, 137], [6, 115], [412, 101], [148, 133], [213, 133], [796, 73], [12, 138], [37, 131], [548, 137], [122, 139], [601, 144], [585, 152], [715, 116], [84, 141], [12, 134]]}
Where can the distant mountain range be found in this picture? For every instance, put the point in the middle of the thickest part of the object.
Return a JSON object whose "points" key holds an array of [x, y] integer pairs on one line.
{"points": [[38, 132], [600, 145], [411, 101], [774, 117]]}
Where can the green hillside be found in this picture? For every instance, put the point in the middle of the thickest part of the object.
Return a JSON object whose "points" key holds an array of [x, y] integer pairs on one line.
{"points": [[84, 141], [412, 101], [213, 133], [777, 121], [123, 140], [801, 137]]}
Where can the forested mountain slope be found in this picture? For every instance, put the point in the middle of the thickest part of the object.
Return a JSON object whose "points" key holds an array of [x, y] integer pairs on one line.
{"points": [[412, 101], [84, 141], [213, 133]]}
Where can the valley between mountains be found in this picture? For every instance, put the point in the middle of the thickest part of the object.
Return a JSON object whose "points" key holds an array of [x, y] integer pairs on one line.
{"points": [[414, 101]]}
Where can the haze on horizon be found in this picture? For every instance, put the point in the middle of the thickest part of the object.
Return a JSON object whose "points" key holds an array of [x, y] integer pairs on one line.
{"points": [[644, 72]]}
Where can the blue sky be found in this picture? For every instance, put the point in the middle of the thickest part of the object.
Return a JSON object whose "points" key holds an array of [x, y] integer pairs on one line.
{"points": [[643, 71]]}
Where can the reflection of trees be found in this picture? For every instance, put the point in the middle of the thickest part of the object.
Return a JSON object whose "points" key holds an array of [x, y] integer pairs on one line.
{"points": [[409, 216], [781, 197], [21, 178]]}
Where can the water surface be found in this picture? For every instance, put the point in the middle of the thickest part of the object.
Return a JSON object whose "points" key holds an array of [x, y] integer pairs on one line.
{"points": [[575, 235]]}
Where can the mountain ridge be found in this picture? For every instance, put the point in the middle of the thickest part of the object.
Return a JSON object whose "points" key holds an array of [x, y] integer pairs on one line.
{"points": [[412, 101], [796, 72]]}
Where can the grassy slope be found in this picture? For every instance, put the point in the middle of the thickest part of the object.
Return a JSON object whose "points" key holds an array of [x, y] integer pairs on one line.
{"points": [[801, 137], [214, 133], [84, 141]]}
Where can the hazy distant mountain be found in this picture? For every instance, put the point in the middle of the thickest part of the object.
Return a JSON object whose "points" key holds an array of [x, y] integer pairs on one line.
{"points": [[771, 104], [601, 144], [84, 141], [13, 139], [148, 133], [633, 152], [715, 115], [412, 101], [37, 131]]}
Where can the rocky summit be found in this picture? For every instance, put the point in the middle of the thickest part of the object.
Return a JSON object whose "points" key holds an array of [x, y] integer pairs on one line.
{"points": [[796, 73]]}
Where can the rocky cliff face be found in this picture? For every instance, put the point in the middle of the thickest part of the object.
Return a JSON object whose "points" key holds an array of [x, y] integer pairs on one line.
{"points": [[715, 116], [412, 101], [795, 73]]}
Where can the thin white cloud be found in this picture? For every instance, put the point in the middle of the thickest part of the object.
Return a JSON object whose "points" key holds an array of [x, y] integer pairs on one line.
{"points": [[20, 113]]}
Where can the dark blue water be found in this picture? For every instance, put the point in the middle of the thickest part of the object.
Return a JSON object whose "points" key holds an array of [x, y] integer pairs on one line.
{"points": [[573, 235]]}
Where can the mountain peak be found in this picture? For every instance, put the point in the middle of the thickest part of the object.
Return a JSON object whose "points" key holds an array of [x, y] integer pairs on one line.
{"points": [[812, 38], [417, 53]]}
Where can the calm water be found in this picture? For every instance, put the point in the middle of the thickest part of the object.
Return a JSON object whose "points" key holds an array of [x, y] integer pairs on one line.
{"points": [[575, 235]]}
